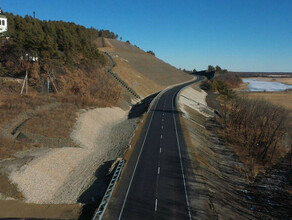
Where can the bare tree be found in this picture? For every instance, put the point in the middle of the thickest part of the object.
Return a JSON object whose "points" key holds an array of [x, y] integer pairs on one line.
{"points": [[257, 125]]}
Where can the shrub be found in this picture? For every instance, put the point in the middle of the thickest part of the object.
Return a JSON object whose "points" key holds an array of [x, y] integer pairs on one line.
{"points": [[151, 52], [257, 126]]}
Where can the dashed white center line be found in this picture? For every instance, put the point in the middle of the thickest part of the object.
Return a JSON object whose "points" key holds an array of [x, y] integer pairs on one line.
{"points": [[161, 136], [160, 150], [158, 171], [155, 205], [161, 126]]}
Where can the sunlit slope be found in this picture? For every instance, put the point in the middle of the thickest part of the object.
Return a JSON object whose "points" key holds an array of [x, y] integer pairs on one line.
{"points": [[142, 71]]}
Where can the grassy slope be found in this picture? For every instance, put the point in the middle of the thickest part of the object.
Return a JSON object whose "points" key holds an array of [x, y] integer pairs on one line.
{"points": [[144, 72]]}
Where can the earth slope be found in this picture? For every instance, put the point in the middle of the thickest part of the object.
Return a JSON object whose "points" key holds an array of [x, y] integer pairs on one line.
{"points": [[143, 72]]}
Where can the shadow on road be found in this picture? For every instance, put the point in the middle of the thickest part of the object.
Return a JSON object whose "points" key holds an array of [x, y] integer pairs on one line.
{"points": [[167, 111], [141, 107]]}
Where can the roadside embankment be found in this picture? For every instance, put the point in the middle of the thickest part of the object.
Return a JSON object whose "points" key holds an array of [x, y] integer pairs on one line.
{"points": [[218, 186], [142, 72], [61, 175]]}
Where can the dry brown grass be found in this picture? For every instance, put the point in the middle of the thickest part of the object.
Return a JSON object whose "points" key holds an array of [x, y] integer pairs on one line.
{"points": [[18, 209], [8, 147], [12, 105], [279, 98], [8, 189], [285, 80], [139, 83], [92, 84], [147, 65], [56, 123], [52, 115]]}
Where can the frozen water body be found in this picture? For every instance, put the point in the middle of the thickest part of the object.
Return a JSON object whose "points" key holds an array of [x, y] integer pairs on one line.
{"points": [[256, 85]]}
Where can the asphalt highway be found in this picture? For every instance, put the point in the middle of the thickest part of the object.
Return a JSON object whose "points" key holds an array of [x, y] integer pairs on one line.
{"points": [[154, 185]]}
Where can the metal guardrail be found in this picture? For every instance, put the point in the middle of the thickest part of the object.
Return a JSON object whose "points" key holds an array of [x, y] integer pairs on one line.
{"points": [[106, 198], [116, 77]]}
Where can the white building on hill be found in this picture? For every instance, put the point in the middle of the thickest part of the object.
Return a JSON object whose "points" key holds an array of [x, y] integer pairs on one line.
{"points": [[3, 22]]}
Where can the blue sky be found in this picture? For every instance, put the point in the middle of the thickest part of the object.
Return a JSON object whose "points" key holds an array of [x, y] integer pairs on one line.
{"points": [[240, 35]]}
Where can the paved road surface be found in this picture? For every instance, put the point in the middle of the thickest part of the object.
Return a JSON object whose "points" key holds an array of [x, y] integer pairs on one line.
{"points": [[153, 185]]}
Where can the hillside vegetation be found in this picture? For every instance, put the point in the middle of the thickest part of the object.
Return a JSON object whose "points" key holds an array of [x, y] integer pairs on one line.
{"points": [[52, 41], [259, 130], [65, 49]]}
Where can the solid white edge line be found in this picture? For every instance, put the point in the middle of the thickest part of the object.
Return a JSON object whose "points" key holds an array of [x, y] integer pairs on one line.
{"points": [[160, 94], [182, 170], [137, 163]]}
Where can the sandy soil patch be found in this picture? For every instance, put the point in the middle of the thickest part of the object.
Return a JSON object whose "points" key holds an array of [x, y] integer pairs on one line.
{"points": [[61, 175]]}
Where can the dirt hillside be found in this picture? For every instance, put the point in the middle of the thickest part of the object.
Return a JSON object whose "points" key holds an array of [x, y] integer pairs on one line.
{"points": [[143, 72]]}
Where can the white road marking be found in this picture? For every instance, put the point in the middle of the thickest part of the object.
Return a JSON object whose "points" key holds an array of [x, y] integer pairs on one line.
{"points": [[181, 165], [160, 136], [158, 171], [160, 150], [162, 127], [137, 163]]}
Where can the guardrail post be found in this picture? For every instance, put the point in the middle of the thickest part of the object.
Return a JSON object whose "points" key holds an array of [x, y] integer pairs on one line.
{"points": [[108, 193]]}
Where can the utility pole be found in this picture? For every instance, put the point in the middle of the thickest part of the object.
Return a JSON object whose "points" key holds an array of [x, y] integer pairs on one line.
{"points": [[26, 88], [52, 77], [48, 85], [25, 83]]}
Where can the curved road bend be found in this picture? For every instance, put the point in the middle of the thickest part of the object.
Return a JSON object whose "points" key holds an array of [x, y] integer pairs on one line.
{"points": [[153, 185]]}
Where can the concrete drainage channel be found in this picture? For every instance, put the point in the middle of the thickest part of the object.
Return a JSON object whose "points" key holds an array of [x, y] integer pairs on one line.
{"points": [[116, 77], [106, 198]]}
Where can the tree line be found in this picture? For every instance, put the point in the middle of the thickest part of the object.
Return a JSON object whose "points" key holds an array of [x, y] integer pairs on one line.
{"points": [[51, 41], [257, 126]]}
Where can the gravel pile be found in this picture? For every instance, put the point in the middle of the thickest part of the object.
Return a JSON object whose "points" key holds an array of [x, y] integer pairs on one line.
{"points": [[61, 175]]}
